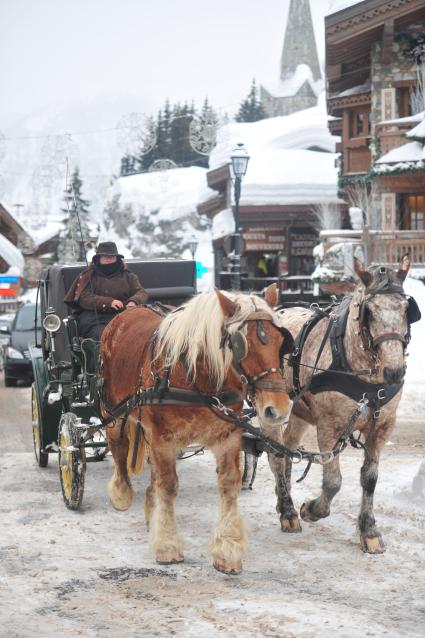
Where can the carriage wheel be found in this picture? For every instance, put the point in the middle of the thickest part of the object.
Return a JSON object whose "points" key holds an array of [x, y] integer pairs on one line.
{"points": [[42, 458], [72, 461]]}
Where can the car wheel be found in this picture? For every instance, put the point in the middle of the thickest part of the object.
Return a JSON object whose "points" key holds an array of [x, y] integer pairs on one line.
{"points": [[10, 383]]}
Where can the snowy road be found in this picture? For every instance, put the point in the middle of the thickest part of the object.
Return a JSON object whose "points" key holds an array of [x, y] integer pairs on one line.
{"points": [[92, 574]]}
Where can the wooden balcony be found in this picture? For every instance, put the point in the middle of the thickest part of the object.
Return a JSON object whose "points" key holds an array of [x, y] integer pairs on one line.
{"points": [[384, 247]]}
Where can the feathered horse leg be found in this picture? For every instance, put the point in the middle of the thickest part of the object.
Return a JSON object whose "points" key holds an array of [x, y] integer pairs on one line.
{"points": [[228, 543], [370, 538], [120, 490], [165, 540]]}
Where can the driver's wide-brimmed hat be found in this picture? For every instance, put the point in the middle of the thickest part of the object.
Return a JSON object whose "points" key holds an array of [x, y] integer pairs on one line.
{"points": [[109, 249]]}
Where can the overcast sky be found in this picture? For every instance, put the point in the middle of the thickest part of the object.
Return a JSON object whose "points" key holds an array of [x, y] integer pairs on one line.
{"points": [[62, 51]]}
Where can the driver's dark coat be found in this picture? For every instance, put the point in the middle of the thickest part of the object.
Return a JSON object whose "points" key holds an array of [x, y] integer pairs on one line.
{"points": [[94, 290]]}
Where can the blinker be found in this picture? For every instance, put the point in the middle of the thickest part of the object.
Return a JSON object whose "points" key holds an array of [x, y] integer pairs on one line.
{"points": [[261, 333]]}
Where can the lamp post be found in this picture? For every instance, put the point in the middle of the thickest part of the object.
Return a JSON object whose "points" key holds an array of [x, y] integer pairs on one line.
{"points": [[239, 159], [193, 245]]}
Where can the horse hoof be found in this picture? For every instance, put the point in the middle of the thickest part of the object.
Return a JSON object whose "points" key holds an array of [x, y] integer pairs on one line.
{"points": [[120, 501], [230, 569], [372, 545], [290, 524], [169, 558], [306, 515]]}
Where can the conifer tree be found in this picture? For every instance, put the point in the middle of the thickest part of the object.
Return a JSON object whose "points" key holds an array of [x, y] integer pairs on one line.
{"points": [[71, 244], [251, 109]]}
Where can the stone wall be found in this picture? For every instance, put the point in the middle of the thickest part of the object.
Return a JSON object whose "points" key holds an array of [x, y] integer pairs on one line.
{"points": [[275, 106]]}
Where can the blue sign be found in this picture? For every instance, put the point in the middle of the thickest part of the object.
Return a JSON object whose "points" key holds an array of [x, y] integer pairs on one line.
{"points": [[200, 270], [8, 280]]}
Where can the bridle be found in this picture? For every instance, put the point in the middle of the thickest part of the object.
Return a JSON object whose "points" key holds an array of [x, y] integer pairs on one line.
{"points": [[238, 344], [370, 343]]}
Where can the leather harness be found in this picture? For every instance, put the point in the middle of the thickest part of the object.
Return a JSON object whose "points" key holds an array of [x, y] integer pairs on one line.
{"points": [[339, 377]]}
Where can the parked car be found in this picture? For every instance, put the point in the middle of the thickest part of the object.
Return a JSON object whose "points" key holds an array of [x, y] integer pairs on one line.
{"points": [[17, 360], [5, 327]]}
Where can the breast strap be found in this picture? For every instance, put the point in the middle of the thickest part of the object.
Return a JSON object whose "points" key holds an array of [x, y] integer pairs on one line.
{"points": [[339, 377]]}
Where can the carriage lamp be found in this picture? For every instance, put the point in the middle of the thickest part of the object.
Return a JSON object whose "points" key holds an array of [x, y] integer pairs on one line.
{"points": [[51, 323], [239, 159], [193, 245]]}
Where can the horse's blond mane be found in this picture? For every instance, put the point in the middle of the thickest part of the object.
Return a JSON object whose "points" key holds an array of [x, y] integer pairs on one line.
{"points": [[196, 331]]}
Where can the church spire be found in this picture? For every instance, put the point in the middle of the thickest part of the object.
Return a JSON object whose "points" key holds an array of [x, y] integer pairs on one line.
{"points": [[299, 45]]}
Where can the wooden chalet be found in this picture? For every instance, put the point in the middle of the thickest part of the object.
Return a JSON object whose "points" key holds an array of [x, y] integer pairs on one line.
{"points": [[375, 50]]}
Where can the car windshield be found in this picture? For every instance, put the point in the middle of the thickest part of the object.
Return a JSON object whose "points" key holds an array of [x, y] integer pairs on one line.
{"points": [[25, 318]]}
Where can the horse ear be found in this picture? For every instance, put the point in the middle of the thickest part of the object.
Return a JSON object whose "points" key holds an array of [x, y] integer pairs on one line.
{"points": [[271, 295], [404, 266], [228, 306], [362, 273]]}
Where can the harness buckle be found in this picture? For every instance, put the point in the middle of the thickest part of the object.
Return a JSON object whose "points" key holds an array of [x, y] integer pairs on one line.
{"points": [[297, 456], [381, 394], [325, 458], [216, 403], [376, 414]]}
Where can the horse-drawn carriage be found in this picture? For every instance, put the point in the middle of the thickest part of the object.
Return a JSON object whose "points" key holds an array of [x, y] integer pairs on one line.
{"points": [[65, 397], [175, 379]]}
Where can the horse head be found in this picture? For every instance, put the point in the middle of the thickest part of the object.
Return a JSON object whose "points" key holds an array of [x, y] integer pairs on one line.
{"points": [[385, 315], [257, 344]]}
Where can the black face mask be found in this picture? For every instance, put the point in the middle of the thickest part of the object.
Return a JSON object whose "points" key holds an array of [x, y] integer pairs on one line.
{"points": [[108, 269]]}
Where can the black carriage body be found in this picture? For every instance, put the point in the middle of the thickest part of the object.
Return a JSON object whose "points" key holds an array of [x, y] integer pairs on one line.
{"points": [[61, 382]]}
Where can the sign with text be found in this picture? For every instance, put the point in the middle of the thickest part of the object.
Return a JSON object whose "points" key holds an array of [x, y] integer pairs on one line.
{"points": [[264, 239]]}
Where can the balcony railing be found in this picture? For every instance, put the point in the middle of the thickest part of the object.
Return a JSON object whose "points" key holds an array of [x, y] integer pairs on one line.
{"points": [[382, 246]]}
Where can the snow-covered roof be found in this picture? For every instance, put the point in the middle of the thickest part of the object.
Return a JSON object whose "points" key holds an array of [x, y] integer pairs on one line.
{"points": [[355, 90], [282, 169], [340, 5], [223, 224], [290, 85], [418, 131], [12, 256], [410, 152], [42, 234], [408, 119]]}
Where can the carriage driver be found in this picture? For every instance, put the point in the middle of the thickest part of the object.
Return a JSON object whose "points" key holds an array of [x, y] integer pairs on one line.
{"points": [[106, 287]]}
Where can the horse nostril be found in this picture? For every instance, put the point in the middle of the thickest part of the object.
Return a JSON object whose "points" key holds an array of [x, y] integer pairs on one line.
{"points": [[270, 412], [394, 375]]}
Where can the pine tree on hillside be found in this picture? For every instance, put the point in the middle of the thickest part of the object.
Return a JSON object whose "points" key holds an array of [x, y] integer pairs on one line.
{"points": [[171, 131], [251, 109], [71, 245]]}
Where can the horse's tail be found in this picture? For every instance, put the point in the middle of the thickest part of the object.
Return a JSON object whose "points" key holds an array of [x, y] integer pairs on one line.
{"points": [[136, 446]]}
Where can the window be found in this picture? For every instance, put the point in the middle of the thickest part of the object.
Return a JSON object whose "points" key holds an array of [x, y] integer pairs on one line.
{"points": [[359, 123], [414, 212], [403, 101]]}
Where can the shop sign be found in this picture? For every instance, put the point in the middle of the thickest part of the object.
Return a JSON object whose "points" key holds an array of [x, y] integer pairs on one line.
{"points": [[263, 239]]}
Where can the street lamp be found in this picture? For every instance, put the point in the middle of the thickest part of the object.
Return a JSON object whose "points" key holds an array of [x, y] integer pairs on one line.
{"points": [[193, 245], [240, 159]]}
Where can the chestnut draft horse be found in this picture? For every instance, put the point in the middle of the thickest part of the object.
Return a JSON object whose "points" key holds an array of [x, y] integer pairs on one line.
{"points": [[213, 346], [367, 333]]}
